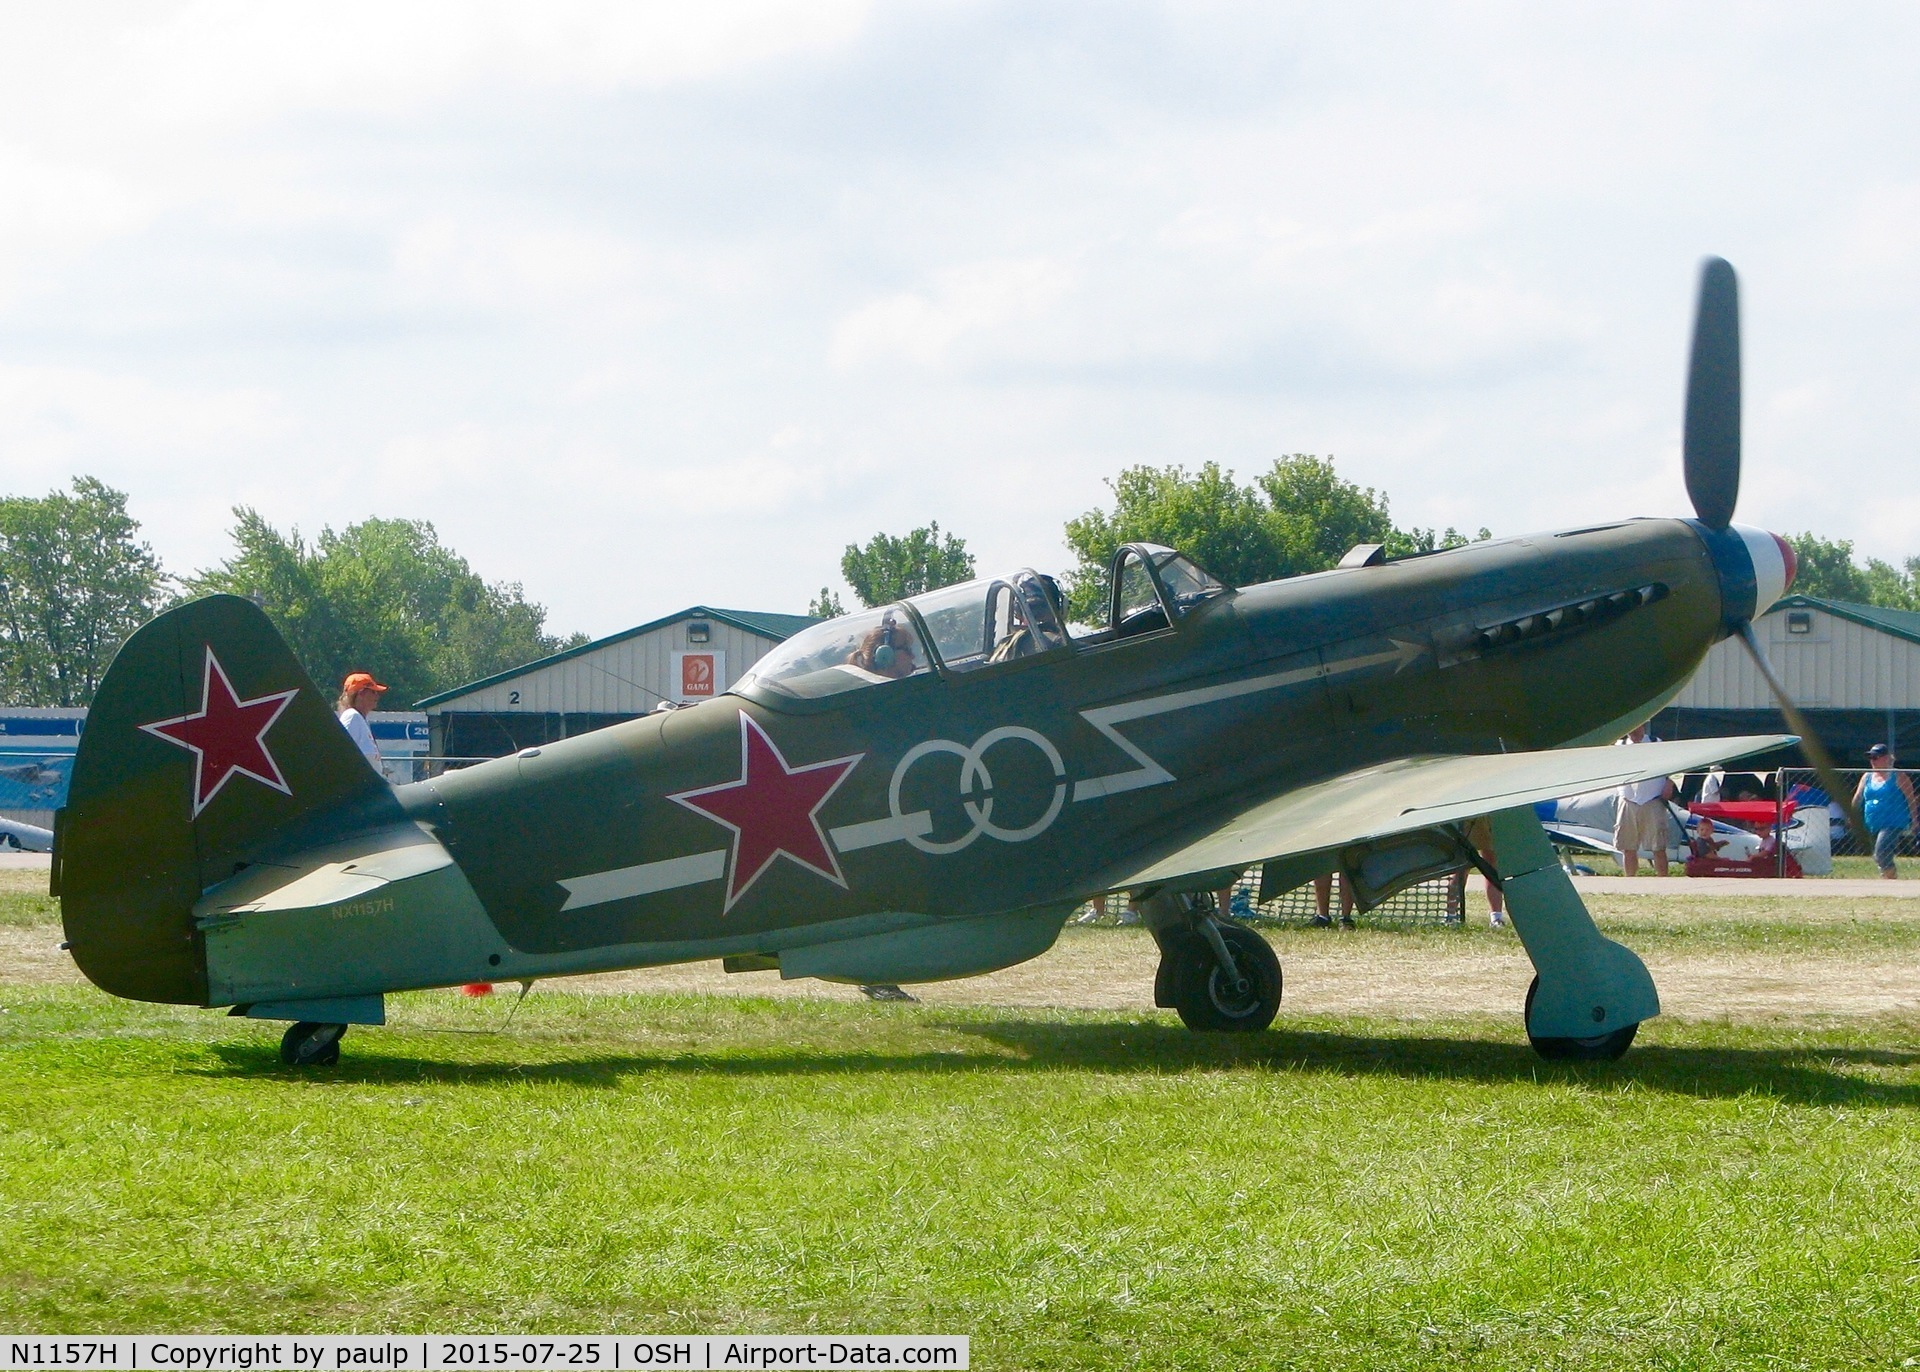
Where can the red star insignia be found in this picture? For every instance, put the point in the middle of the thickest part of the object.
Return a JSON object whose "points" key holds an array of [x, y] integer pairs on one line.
{"points": [[773, 809], [226, 735]]}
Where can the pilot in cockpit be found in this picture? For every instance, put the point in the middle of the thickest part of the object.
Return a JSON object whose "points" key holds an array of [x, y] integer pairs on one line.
{"points": [[886, 651], [1017, 641], [1033, 619]]}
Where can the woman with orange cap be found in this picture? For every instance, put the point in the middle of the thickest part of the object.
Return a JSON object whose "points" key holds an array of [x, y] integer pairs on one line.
{"points": [[359, 697]]}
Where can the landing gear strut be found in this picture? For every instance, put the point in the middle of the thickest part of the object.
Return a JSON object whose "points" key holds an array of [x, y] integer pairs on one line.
{"points": [[312, 1045], [1219, 976]]}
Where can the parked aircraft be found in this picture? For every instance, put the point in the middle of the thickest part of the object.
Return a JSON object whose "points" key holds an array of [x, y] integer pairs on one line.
{"points": [[927, 790]]}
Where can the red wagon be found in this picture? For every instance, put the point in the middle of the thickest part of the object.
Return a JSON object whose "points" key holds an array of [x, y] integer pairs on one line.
{"points": [[1766, 818]]}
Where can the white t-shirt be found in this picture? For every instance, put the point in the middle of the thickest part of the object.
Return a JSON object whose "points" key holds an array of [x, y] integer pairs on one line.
{"points": [[358, 730], [1640, 792]]}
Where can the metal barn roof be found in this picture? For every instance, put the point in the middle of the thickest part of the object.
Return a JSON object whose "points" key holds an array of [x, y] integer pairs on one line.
{"points": [[761, 625]]}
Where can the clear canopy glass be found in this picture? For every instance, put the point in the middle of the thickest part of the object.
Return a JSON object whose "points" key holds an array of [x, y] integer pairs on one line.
{"points": [[1186, 583], [974, 624], [866, 649], [997, 619], [1136, 602], [1135, 598]]}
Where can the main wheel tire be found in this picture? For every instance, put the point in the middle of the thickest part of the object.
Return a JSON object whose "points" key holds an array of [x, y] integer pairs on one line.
{"points": [[1206, 1001], [1609, 1047], [312, 1045]]}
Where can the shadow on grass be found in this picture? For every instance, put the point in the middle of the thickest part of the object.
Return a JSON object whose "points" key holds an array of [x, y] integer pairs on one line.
{"points": [[1803, 1075]]}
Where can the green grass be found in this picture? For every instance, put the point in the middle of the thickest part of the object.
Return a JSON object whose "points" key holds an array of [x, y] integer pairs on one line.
{"points": [[26, 909], [1864, 928], [1072, 1190]]}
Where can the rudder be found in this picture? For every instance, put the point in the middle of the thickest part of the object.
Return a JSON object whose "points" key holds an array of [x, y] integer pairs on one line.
{"points": [[207, 746]]}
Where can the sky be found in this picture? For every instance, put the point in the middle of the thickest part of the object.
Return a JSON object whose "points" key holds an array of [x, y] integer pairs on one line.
{"points": [[647, 306]]}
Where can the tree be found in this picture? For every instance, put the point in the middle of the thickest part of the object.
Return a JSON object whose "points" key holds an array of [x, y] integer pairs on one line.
{"points": [[1299, 516], [1317, 517], [826, 605], [1897, 588], [1827, 570], [890, 569], [73, 584], [1210, 517], [1410, 542], [383, 596]]}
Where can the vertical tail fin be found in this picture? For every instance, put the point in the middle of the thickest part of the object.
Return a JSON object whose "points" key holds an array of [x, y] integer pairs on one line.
{"points": [[207, 745]]}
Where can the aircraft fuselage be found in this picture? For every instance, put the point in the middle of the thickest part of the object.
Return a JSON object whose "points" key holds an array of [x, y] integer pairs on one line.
{"points": [[1019, 784]]}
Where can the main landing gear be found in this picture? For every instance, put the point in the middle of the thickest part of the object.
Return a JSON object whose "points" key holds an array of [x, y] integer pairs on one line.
{"points": [[1220, 976], [312, 1045], [1595, 1048]]}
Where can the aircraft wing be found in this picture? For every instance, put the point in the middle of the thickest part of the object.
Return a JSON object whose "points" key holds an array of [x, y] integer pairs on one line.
{"points": [[1420, 792]]}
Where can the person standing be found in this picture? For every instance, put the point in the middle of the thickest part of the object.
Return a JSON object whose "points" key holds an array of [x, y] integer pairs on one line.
{"points": [[359, 697], [1885, 801], [1479, 833], [1643, 821], [1323, 902]]}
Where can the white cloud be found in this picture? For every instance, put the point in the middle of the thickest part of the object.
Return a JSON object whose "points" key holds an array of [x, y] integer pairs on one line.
{"points": [[1878, 236], [453, 262], [51, 416], [52, 214], [219, 60], [649, 304], [962, 303]]}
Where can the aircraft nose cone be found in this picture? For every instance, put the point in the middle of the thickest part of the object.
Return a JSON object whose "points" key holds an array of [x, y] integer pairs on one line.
{"points": [[1773, 566], [1792, 560], [1755, 569]]}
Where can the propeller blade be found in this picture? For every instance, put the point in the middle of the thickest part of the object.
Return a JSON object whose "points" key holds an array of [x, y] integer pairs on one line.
{"points": [[1711, 449], [1810, 743]]}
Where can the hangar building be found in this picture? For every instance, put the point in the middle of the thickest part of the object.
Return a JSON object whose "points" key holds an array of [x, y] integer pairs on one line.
{"points": [[689, 656], [1854, 669]]}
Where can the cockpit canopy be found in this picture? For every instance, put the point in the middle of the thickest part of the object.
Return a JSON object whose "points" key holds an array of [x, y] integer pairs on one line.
{"points": [[977, 624], [996, 619], [1138, 604]]}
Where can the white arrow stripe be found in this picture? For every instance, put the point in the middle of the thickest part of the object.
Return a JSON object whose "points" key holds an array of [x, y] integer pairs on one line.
{"points": [[872, 833], [597, 888], [1150, 772]]}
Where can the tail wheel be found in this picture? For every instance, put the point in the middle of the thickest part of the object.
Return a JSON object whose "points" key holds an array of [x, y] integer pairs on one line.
{"points": [[1207, 998], [1609, 1047], [312, 1045]]}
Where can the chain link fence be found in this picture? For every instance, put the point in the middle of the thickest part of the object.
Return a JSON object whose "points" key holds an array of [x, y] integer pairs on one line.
{"points": [[1433, 903], [1802, 786]]}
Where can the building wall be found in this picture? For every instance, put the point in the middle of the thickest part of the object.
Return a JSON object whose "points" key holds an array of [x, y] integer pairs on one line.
{"points": [[38, 746], [626, 678], [36, 761], [1838, 665]]}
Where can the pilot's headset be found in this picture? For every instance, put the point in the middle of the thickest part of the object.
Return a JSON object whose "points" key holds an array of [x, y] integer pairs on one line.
{"points": [[884, 653]]}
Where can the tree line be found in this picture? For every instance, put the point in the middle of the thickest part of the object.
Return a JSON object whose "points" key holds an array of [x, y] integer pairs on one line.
{"points": [[1298, 516], [1829, 570], [383, 595], [386, 595]]}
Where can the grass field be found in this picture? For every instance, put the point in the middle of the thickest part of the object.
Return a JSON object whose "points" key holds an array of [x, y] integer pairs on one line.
{"points": [[1071, 1187]]}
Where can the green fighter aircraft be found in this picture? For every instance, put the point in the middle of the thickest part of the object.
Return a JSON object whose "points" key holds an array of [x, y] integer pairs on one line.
{"points": [[928, 790]]}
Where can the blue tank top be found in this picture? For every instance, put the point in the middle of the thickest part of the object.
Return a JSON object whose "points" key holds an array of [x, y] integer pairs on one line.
{"points": [[1886, 803]]}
